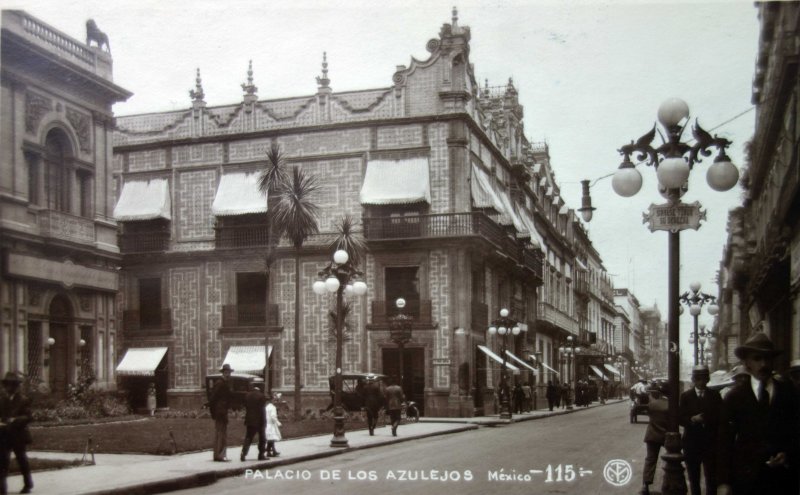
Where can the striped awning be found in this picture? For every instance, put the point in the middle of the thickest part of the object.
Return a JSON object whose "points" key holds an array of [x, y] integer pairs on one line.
{"points": [[483, 192], [551, 369], [497, 358], [520, 361], [393, 182], [597, 371], [238, 194], [612, 369], [141, 361], [143, 200], [248, 358]]}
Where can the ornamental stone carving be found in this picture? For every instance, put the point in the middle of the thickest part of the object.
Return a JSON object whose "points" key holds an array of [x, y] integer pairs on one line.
{"points": [[82, 125], [35, 108]]}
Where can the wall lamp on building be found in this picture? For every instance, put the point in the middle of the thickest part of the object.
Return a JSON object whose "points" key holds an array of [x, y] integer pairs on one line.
{"points": [[695, 300], [569, 353], [50, 342], [400, 326], [81, 345], [673, 161], [504, 326], [340, 277]]}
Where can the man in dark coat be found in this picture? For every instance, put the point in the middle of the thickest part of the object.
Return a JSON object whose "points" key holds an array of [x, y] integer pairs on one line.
{"points": [[219, 403], [658, 414], [758, 437], [394, 404], [698, 413], [254, 422], [372, 393], [15, 414], [551, 394]]}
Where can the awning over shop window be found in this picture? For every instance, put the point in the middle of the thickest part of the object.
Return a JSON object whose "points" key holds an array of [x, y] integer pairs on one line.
{"points": [[548, 367], [520, 361], [597, 372], [141, 361], [483, 193], [497, 358], [612, 369], [248, 359], [238, 194], [580, 264], [143, 200], [396, 182]]}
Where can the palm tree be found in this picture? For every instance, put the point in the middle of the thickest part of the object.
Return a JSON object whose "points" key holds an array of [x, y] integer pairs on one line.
{"points": [[349, 239], [295, 215], [272, 179]]}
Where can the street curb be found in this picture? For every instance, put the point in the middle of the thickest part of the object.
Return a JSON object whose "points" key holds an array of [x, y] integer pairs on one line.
{"points": [[209, 477]]}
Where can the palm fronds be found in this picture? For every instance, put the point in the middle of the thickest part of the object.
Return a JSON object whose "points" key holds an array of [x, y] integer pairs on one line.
{"points": [[350, 240], [294, 212], [273, 177]]}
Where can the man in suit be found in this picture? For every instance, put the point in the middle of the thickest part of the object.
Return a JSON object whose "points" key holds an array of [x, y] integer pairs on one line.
{"points": [[254, 422], [758, 438], [654, 436], [219, 404], [698, 413], [15, 414], [394, 404], [372, 392]]}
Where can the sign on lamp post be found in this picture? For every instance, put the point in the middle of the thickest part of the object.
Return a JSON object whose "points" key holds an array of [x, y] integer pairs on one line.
{"points": [[674, 217]]}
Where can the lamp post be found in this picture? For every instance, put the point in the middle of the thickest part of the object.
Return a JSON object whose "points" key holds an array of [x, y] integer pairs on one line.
{"points": [[568, 353], [699, 338], [695, 300], [504, 326], [673, 161], [339, 277], [400, 332]]}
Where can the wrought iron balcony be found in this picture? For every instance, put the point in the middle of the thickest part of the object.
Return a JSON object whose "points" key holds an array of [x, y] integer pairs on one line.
{"points": [[136, 320], [241, 236], [550, 314], [144, 242], [248, 315], [420, 311]]}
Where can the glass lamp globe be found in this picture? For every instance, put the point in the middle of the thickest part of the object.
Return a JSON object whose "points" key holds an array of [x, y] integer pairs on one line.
{"points": [[672, 111], [694, 310], [722, 175], [691, 339], [627, 181], [348, 289], [680, 310], [319, 288], [502, 330], [341, 257], [672, 173], [713, 309], [695, 286], [515, 330], [400, 303], [492, 330], [332, 284], [504, 313], [360, 288]]}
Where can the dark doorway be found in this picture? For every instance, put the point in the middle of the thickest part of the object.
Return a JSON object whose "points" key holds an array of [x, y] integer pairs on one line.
{"points": [[413, 371], [60, 313], [480, 381]]}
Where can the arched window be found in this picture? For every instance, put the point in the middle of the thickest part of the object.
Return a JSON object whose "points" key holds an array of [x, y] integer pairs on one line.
{"points": [[57, 158]]}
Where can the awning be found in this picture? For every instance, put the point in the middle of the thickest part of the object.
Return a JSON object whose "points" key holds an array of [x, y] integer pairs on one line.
{"points": [[497, 358], [520, 361], [141, 361], [238, 194], [483, 193], [143, 200], [580, 264], [393, 182], [247, 358], [548, 367], [564, 210], [511, 212], [597, 371], [612, 369], [530, 226]]}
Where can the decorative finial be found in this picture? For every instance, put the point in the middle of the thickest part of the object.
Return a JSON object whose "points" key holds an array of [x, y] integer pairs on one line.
{"points": [[455, 17], [197, 94], [323, 81], [249, 88]]}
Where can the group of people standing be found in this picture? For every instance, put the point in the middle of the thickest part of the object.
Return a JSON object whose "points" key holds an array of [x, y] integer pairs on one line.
{"points": [[746, 443], [261, 419]]}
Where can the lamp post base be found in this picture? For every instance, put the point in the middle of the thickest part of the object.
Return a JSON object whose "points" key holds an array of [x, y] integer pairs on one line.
{"points": [[338, 440], [674, 482]]}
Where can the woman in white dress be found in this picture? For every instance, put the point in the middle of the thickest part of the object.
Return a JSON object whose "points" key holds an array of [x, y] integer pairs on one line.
{"points": [[272, 427]]}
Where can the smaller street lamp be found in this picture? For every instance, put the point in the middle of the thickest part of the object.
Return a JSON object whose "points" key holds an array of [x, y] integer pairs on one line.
{"points": [[504, 326], [569, 353], [695, 300], [400, 327]]}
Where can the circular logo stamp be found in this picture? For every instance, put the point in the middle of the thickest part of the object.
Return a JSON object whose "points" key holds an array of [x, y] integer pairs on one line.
{"points": [[618, 472]]}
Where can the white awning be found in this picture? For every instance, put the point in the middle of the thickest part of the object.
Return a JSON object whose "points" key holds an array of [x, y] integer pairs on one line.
{"points": [[143, 200], [597, 371], [548, 367], [581, 265], [511, 212], [564, 210], [141, 361], [247, 358], [497, 358], [520, 361], [393, 182], [530, 227], [238, 194], [543, 182], [612, 369], [483, 193]]}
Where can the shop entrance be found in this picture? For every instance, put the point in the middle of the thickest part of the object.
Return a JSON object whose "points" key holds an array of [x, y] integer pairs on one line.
{"points": [[413, 371]]}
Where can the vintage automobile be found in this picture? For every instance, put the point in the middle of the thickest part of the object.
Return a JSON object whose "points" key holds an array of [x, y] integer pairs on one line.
{"points": [[352, 401], [241, 383]]}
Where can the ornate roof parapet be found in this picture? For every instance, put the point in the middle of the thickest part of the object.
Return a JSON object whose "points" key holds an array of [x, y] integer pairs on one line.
{"points": [[323, 81], [197, 95], [250, 90]]}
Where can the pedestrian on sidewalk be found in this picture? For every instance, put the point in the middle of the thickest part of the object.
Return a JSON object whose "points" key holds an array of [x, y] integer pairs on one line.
{"points": [[219, 403], [698, 413], [273, 425], [519, 397], [394, 404], [658, 413], [254, 422], [552, 395], [565, 389], [151, 399], [528, 397], [15, 414], [371, 390]]}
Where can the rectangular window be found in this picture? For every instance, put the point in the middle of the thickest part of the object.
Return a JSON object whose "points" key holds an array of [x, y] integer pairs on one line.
{"points": [[85, 200], [402, 281], [251, 294], [150, 302], [33, 180]]}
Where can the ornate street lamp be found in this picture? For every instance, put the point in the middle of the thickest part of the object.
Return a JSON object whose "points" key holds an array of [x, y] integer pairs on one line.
{"points": [[339, 277], [504, 326], [569, 353], [673, 161], [695, 300], [703, 336], [400, 332]]}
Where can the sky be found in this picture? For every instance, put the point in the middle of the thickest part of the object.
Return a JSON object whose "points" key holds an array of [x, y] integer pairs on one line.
{"points": [[590, 76]]}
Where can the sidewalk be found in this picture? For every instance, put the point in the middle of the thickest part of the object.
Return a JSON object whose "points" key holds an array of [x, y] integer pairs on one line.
{"points": [[145, 474]]}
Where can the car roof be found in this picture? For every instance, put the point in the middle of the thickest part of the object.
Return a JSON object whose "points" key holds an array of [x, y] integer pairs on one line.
{"points": [[366, 376], [248, 376]]}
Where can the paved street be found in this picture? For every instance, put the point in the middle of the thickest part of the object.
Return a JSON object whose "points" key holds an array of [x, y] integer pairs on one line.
{"points": [[474, 462]]}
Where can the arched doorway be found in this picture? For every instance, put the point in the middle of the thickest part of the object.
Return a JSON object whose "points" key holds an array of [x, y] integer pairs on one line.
{"points": [[60, 313]]}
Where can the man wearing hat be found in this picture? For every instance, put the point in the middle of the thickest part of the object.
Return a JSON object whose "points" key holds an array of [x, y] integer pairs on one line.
{"points": [[698, 413], [15, 414], [757, 450], [219, 403], [655, 434], [254, 421]]}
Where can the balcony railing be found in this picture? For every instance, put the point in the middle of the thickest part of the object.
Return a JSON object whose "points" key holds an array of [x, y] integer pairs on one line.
{"points": [[65, 226], [133, 320], [248, 315], [241, 236], [420, 311], [144, 242], [556, 317]]}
